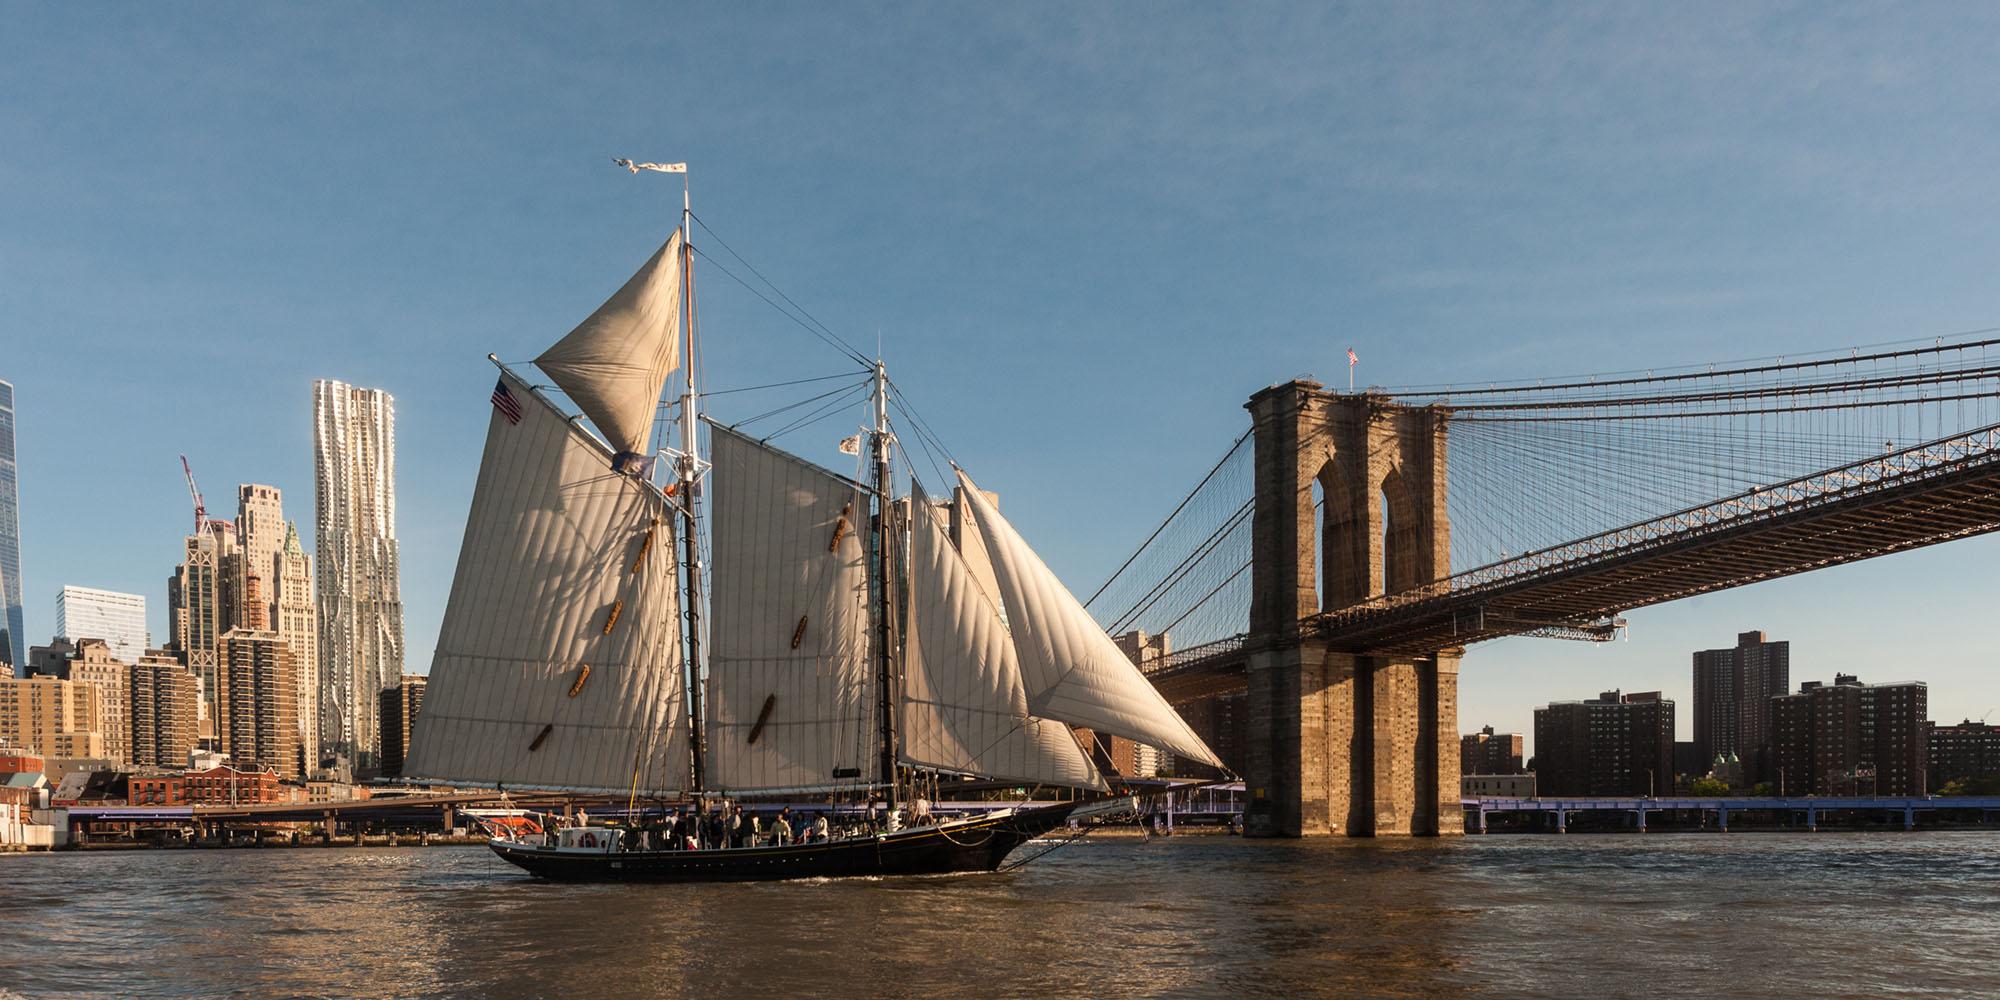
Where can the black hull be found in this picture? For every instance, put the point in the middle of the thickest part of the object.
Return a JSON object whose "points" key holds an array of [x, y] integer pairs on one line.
{"points": [[969, 846]]}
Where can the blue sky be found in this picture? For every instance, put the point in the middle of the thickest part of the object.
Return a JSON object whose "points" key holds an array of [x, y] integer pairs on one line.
{"points": [[1083, 233]]}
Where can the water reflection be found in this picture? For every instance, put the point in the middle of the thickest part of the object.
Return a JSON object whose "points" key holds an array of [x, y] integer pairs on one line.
{"points": [[1756, 914]]}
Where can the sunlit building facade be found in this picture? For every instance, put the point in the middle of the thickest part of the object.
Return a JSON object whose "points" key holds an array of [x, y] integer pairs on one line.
{"points": [[360, 596]]}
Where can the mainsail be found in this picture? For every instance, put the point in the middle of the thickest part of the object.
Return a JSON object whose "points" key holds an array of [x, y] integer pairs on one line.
{"points": [[559, 661], [615, 362], [791, 686], [1072, 671], [964, 708]]}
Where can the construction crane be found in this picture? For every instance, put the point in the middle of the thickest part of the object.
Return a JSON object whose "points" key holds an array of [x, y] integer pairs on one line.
{"points": [[200, 509]]}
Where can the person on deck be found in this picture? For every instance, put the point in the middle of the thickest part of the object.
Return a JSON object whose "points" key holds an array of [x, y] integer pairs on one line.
{"points": [[821, 828], [742, 828], [714, 830], [781, 827]]}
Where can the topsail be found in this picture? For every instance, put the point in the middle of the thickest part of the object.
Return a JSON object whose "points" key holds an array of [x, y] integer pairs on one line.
{"points": [[615, 362]]}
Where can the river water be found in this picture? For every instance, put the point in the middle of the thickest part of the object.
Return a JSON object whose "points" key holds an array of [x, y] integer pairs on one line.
{"points": [[1752, 915]]}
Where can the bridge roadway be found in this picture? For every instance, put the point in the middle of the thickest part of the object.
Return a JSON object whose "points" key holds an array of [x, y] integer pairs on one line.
{"points": [[1935, 492]]}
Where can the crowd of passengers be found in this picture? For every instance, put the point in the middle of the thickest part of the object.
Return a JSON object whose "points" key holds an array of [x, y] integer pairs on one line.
{"points": [[726, 827]]}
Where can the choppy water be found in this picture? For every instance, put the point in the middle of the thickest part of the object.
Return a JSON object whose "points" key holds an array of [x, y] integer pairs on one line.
{"points": [[1828, 915]]}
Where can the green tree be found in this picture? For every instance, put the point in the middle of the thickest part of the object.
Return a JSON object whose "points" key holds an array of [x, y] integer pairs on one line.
{"points": [[1710, 788]]}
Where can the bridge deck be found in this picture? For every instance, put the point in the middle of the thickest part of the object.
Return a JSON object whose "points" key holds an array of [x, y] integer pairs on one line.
{"points": [[1937, 492]]}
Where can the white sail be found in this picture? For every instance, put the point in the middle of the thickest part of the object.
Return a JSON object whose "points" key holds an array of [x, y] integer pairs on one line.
{"points": [[791, 683], [615, 363], [559, 661], [964, 708], [1073, 672]]}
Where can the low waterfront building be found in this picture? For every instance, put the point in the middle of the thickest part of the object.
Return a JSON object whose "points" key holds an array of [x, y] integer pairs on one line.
{"points": [[1497, 786], [1488, 752], [157, 790], [227, 785]]}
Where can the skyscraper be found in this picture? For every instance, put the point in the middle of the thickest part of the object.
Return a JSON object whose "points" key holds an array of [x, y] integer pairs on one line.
{"points": [[118, 619], [199, 608], [260, 534], [15, 649], [298, 624], [1733, 689], [360, 598]]}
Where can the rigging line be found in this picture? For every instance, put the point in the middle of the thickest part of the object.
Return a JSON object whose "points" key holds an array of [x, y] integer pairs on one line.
{"points": [[855, 395], [1226, 456], [772, 285], [803, 402], [923, 433], [910, 410], [777, 385], [831, 341]]}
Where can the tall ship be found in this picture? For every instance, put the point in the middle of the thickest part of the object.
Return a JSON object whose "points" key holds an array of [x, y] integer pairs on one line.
{"points": [[716, 620]]}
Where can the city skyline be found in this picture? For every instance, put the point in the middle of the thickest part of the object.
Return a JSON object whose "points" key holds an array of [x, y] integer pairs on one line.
{"points": [[1464, 253]]}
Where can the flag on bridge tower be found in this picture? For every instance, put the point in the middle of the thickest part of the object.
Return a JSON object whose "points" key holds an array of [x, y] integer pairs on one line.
{"points": [[1352, 360]]}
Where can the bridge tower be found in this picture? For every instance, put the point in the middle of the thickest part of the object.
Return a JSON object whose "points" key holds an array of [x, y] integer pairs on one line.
{"points": [[1346, 741]]}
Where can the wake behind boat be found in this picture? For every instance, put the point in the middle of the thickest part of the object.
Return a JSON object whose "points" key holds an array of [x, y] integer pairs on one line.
{"points": [[849, 640]]}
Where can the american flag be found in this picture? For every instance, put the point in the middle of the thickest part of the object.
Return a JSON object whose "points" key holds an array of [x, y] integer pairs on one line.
{"points": [[1351, 359], [505, 402]]}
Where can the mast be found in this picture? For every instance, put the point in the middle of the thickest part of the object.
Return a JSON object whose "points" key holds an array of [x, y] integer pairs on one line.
{"points": [[690, 471], [886, 597]]}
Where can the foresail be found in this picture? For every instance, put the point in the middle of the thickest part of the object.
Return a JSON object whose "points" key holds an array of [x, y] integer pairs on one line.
{"points": [[559, 661], [1072, 671], [614, 364], [964, 708], [791, 686]]}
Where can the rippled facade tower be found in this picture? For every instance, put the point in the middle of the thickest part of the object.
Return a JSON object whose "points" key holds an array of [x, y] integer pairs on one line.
{"points": [[360, 597], [10, 535]]}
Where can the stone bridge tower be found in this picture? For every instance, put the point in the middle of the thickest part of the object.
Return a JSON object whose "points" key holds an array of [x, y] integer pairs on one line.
{"points": [[1350, 504]]}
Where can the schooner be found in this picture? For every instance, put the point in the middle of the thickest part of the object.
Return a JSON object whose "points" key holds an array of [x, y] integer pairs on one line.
{"points": [[849, 645]]}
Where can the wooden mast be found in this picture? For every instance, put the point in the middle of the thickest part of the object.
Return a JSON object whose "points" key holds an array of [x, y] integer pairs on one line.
{"points": [[886, 590]]}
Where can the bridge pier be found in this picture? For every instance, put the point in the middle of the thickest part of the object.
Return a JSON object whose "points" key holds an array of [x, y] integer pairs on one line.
{"points": [[1356, 743]]}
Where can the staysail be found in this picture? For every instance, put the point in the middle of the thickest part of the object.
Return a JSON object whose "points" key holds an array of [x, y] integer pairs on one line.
{"points": [[1072, 671], [615, 362], [791, 688], [559, 662], [964, 707]]}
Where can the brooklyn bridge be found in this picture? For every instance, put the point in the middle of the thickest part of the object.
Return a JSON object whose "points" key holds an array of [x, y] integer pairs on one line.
{"points": [[1304, 605]]}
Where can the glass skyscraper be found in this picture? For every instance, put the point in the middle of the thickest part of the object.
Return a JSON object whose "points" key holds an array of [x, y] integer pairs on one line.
{"points": [[10, 535]]}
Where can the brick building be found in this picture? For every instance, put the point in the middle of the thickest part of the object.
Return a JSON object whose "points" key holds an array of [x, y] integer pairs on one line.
{"points": [[1849, 738], [1967, 750], [400, 705], [224, 785], [1615, 744], [1732, 693], [1488, 752]]}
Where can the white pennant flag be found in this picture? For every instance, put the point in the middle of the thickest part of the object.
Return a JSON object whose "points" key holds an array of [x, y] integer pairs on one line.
{"points": [[851, 445]]}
